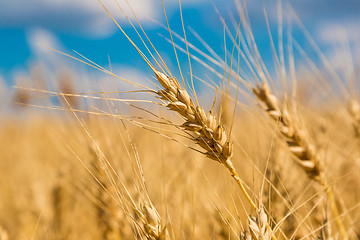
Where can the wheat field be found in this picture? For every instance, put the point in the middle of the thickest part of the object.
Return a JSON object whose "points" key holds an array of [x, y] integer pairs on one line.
{"points": [[254, 154]]}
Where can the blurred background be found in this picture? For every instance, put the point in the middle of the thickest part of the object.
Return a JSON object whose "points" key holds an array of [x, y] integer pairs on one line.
{"points": [[29, 29]]}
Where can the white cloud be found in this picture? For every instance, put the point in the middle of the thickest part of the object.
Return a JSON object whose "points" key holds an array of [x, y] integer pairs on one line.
{"points": [[79, 16], [42, 44], [82, 16], [109, 83], [339, 59], [340, 40], [42, 41], [331, 33]]}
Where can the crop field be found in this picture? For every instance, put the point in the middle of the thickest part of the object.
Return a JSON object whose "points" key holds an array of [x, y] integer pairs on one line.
{"points": [[191, 143]]}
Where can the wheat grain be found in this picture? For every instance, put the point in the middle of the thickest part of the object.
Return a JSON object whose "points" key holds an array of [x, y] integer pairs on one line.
{"points": [[152, 223], [296, 139], [208, 133], [258, 227], [304, 152]]}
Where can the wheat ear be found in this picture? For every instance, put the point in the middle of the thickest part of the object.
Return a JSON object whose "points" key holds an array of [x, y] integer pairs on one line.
{"points": [[257, 227], [152, 223], [296, 140], [298, 144], [106, 207], [58, 204], [207, 132]]}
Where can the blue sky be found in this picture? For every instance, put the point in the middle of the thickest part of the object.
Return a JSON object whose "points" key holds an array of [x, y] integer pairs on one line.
{"points": [[29, 27]]}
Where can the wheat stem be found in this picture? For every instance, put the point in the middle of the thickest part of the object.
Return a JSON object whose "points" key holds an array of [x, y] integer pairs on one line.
{"points": [[335, 211], [236, 177]]}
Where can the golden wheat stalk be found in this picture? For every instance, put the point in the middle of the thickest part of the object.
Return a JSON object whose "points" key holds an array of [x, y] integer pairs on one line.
{"points": [[106, 207], [296, 139], [59, 207], [304, 152], [258, 229], [107, 210], [207, 132], [152, 223], [66, 86]]}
